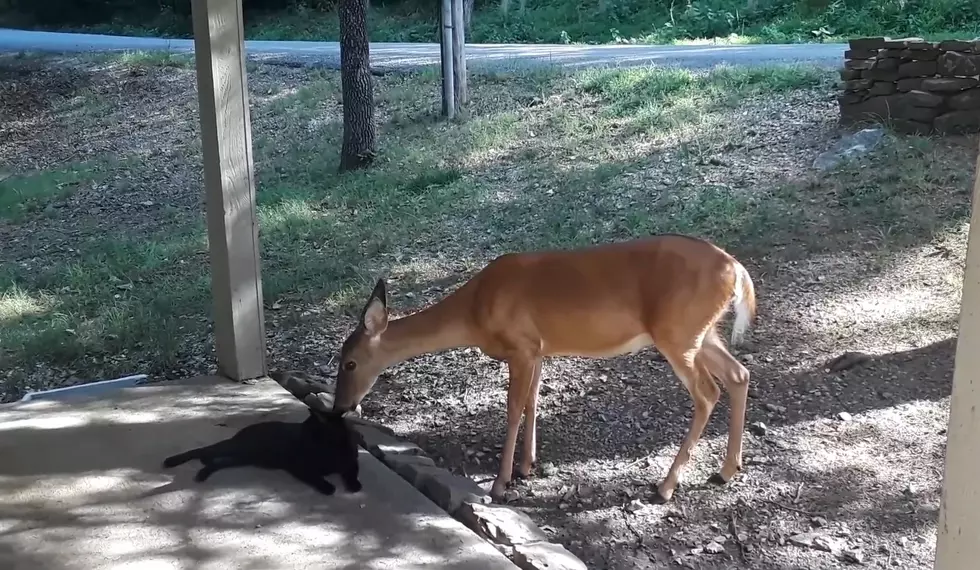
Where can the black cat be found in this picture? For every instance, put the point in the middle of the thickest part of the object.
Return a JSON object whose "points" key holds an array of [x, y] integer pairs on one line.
{"points": [[321, 445]]}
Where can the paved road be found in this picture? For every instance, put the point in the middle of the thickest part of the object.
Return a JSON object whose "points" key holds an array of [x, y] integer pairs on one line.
{"points": [[409, 55], [81, 488]]}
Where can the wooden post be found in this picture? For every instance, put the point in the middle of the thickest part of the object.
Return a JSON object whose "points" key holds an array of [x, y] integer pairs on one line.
{"points": [[459, 53], [232, 219], [448, 91], [958, 547]]}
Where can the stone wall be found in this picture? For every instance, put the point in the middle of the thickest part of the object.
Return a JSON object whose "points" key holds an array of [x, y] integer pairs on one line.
{"points": [[915, 86]]}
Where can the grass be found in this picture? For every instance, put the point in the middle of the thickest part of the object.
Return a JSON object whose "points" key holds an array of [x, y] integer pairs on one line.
{"points": [[626, 21], [543, 159], [22, 195]]}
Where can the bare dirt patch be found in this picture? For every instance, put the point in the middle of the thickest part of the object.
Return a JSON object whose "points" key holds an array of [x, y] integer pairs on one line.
{"points": [[841, 466]]}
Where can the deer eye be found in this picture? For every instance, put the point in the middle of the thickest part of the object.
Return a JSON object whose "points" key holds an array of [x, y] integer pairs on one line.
{"points": [[350, 365]]}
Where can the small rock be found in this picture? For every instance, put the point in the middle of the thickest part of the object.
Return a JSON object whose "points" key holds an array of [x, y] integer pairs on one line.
{"points": [[568, 493], [758, 428], [818, 522], [714, 548], [549, 469], [854, 556], [775, 408], [845, 417], [541, 555], [635, 505], [450, 491], [903, 541], [803, 539], [502, 525], [828, 544], [511, 495], [847, 360]]}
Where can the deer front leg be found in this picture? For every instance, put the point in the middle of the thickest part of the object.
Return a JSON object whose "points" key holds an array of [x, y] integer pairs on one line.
{"points": [[521, 376], [529, 455]]}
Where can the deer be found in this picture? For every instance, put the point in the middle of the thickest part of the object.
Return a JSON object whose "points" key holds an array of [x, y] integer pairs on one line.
{"points": [[665, 291]]}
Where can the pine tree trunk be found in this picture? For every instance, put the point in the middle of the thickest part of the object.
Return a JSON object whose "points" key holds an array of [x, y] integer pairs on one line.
{"points": [[357, 86]]}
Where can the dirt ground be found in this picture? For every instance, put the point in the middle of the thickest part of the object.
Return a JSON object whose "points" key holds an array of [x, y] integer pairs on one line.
{"points": [[843, 467]]}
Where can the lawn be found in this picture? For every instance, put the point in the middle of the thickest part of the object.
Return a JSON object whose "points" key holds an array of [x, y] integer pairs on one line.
{"points": [[103, 272]]}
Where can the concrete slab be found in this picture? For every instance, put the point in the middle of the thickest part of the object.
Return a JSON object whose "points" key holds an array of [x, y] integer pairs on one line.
{"points": [[82, 488]]}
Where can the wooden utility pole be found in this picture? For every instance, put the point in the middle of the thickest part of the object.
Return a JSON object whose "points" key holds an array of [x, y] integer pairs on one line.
{"points": [[448, 77], [229, 184], [459, 52]]}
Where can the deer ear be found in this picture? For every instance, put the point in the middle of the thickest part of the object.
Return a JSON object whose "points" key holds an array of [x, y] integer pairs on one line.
{"points": [[374, 319], [380, 292]]}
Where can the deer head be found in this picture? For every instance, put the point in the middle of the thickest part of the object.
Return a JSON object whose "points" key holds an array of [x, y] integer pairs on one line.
{"points": [[361, 356]]}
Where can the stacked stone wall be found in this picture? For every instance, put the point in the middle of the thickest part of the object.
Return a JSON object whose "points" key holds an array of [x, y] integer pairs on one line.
{"points": [[915, 86]]}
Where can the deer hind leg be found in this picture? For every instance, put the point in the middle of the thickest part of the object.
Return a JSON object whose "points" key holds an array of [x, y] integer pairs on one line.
{"points": [[704, 394], [529, 454], [735, 378], [521, 377]]}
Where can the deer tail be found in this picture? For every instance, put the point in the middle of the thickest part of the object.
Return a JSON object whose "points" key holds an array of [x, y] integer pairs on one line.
{"points": [[743, 303]]}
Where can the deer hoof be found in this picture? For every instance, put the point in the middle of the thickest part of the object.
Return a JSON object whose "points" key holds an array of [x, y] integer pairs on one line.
{"points": [[497, 491], [717, 479], [526, 472], [658, 498]]}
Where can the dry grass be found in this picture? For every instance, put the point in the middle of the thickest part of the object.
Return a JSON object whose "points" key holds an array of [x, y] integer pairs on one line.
{"points": [[104, 272]]}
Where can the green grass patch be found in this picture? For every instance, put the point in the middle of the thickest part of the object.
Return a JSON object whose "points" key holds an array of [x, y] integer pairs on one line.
{"points": [[152, 59], [25, 194], [122, 297], [654, 92]]}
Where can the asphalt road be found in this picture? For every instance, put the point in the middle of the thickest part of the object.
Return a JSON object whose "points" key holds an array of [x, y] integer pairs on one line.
{"points": [[388, 56]]}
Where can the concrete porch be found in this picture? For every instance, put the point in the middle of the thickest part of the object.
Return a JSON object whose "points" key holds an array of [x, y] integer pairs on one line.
{"points": [[82, 487]]}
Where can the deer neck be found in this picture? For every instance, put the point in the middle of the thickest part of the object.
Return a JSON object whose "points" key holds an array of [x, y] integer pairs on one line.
{"points": [[439, 327]]}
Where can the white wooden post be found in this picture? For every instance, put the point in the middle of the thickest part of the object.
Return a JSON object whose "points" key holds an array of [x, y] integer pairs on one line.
{"points": [[232, 219], [448, 91], [958, 546]]}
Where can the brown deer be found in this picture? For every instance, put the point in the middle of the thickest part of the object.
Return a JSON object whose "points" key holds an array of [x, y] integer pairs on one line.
{"points": [[667, 291]]}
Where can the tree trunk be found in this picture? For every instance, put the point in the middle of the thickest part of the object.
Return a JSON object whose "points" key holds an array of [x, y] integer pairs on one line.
{"points": [[357, 86]]}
